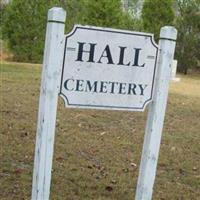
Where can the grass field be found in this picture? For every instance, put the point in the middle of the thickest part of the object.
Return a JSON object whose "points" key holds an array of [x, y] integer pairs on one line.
{"points": [[97, 153]]}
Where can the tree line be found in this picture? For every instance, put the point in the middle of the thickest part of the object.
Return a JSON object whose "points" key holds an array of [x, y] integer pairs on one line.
{"points": [[23, 23]]}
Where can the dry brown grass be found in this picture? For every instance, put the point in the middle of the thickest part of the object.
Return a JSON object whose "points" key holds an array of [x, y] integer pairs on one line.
{"points": [[95, 150], [188, 86]]}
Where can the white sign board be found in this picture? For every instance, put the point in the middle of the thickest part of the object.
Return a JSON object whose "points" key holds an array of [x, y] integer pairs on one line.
{"points": [[108, 68]]}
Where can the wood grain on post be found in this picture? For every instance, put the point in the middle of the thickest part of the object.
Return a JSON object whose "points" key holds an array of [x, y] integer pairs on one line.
{"points": [[156, 115], [52, 64]]}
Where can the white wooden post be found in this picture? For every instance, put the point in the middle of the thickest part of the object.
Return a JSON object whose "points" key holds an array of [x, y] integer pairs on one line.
{"points": [[156, 115], [52, 64]]}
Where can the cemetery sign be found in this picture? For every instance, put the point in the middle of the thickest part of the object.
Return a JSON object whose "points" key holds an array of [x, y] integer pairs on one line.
{"points": [[102, 68], [108, 68]]}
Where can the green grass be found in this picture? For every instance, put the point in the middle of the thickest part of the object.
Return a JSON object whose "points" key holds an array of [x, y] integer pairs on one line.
{"points": [[94, 150]]}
